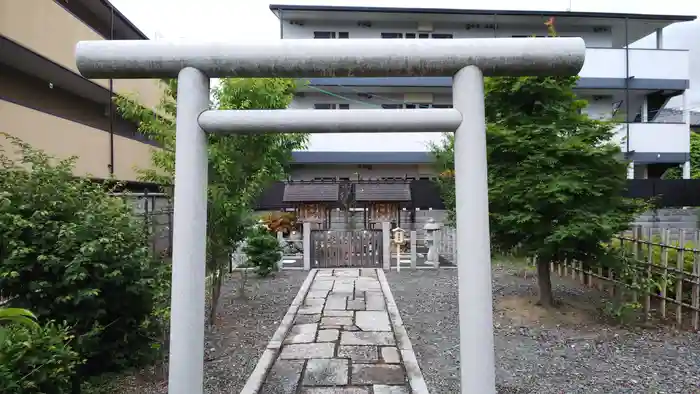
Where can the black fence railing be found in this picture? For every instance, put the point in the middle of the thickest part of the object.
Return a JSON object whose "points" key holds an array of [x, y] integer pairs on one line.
{"points": [[666, 193]]}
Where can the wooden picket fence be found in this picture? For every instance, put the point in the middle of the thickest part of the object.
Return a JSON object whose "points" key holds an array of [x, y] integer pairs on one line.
{"points": [[667, 261]]}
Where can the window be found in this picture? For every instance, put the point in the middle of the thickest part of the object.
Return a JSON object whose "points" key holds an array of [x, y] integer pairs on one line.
{"points": [[415, 106], [392, 106], [331, 106], [331, 34], [416, 35]]}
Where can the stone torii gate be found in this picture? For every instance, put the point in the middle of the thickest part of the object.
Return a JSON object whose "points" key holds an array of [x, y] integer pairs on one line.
{"points": [[467, 60]]}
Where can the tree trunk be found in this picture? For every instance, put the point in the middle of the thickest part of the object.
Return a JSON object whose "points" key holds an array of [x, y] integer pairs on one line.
{"points": [[215, 294], [544, 282], [242, 283]]}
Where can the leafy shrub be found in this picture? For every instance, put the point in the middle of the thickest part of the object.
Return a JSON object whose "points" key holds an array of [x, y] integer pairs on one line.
{"points": [[263, 251], [18, 316], [285, 222], [70, 252], [655, 281], [37, 360]]}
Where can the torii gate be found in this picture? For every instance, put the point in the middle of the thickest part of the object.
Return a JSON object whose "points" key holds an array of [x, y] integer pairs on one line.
{"points": [[467, 60]]}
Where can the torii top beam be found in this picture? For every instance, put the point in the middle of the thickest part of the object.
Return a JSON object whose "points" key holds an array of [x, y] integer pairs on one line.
{"points": [[306, 58]]}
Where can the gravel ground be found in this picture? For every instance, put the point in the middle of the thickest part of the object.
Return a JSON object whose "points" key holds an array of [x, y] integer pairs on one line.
{"points": [[570, 350], [243, 328]]}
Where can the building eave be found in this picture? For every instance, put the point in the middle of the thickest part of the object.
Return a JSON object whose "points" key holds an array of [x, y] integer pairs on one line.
{"points": [[278, 8], [98, 15], [354, 158]]}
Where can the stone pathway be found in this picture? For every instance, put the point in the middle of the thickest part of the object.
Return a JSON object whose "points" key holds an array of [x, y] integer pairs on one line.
{"points": [[343, 336]]}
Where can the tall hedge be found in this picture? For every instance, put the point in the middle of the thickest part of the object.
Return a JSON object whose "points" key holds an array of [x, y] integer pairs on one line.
{"points": [[72, 253]]}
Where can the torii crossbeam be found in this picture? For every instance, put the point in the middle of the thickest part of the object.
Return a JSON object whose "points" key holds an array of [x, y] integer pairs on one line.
{"points": [[467, 60]]}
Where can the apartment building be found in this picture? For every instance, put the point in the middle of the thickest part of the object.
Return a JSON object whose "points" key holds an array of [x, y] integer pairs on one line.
{"points": [[620, 80], [47, 103]]}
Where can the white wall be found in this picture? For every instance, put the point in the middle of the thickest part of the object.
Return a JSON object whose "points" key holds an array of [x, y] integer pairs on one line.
{"points": [[599, 107], [602, 61], [593, 39], [644, 137]]}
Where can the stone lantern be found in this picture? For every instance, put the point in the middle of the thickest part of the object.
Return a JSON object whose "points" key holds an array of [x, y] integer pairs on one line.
{"points": [[433, 258]]}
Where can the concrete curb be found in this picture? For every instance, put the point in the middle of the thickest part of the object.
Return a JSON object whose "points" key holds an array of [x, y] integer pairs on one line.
{"points": [[415, 376], [257, 377]]}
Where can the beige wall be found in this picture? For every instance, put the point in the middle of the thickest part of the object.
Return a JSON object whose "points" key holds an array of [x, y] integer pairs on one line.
{"points": [[49, 30], [63, 138]]}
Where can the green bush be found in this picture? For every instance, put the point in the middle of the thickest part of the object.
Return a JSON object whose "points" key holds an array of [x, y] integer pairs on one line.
{"points": [[70, 252], [656, 250], [263, 251], [37, 360], [656, 280]]}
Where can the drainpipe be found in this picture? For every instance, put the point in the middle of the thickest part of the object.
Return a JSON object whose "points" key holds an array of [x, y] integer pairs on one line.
{"points": [[281, 24], [111, 102], [627, 86], [495, 25]]}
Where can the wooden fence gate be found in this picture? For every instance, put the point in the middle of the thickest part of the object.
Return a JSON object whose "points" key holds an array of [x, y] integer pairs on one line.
{"points": [[346, 248]]}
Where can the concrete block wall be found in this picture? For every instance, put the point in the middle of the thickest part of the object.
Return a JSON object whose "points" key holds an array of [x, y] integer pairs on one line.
{"points": [[670, 218]]}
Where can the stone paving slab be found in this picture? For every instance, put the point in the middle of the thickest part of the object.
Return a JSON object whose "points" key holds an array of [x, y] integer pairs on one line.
{"points": [[342, 335]]}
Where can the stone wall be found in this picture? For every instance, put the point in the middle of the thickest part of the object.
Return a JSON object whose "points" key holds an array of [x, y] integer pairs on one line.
{"points": [[670, 218]]}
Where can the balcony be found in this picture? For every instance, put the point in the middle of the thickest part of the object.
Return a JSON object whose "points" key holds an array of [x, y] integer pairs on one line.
{"points": [[47, 29], [654, 137], [644, 63]]}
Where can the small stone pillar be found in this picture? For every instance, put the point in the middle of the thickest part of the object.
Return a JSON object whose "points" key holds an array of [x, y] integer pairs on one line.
{"points": [[386, 246], [431, 228], [306, 239], [414, 246]]}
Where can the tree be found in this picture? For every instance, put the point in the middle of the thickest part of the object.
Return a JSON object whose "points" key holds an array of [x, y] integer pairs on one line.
{"points": [[677, 172], [240, 166], [555, 181]]}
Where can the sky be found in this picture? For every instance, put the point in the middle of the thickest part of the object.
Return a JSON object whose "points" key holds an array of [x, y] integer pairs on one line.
{"points": [[231, 20]]}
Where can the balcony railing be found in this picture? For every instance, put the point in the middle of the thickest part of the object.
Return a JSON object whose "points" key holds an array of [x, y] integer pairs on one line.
{"points": [[644, 63], [654, 137]]}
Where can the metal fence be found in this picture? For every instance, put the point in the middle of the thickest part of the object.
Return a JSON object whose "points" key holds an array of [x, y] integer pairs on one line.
{"points": [[156, 212]]}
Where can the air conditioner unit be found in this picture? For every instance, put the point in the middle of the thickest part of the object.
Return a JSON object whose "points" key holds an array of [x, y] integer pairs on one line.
{"points": [[425, 26]]}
